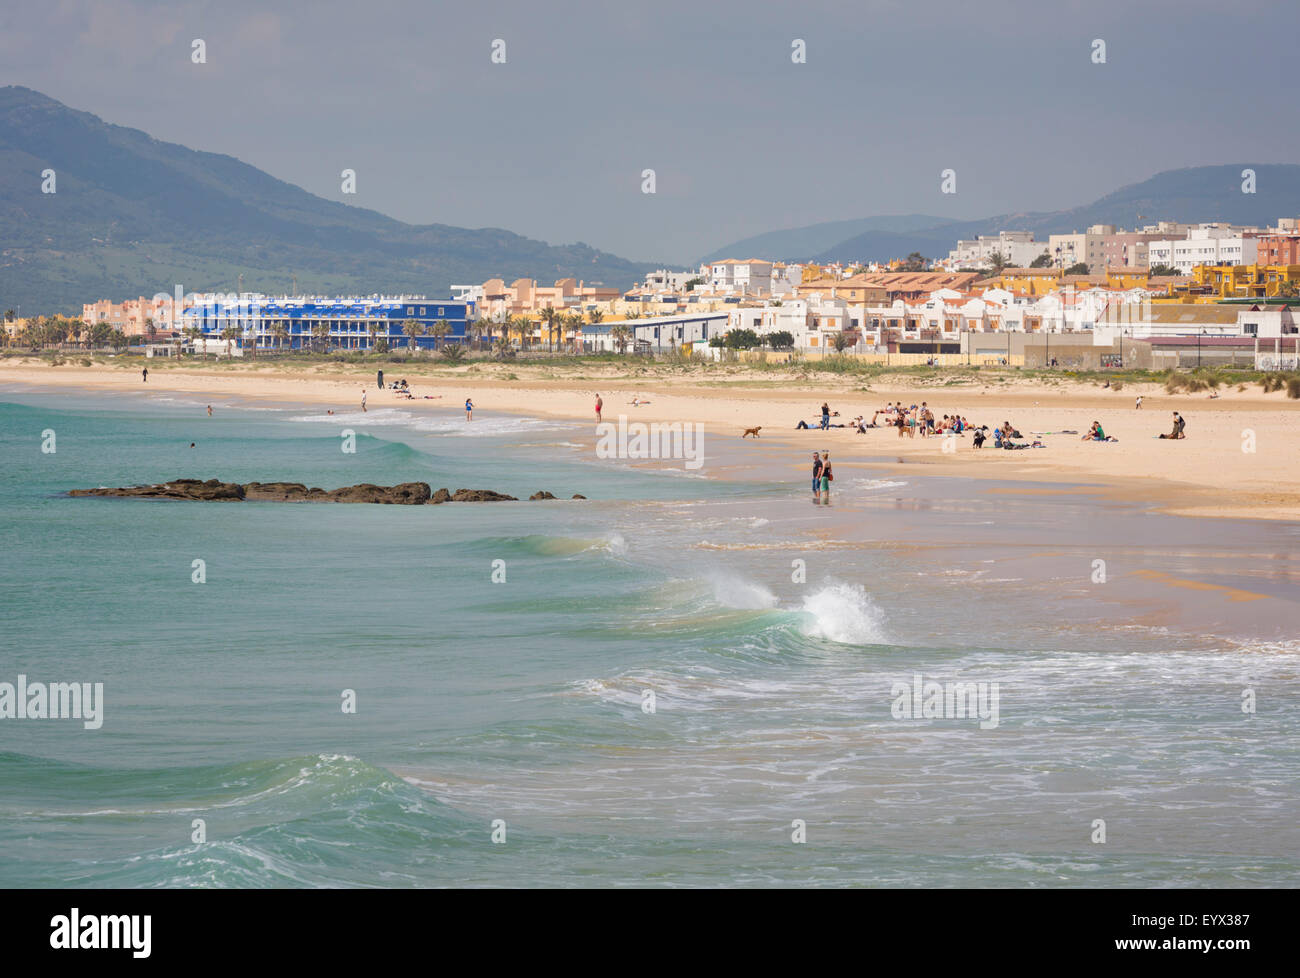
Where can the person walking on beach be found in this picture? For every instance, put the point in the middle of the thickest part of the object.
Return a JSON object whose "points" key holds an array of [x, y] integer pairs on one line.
{"points": [[826, 416], [827, 476], [1138, 405], [145, 374], [817, 473], [469, 409], [363, 400], [599, 405]]}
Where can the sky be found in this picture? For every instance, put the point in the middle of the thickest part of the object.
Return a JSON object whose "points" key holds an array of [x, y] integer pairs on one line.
{"points": [[553, 142]]}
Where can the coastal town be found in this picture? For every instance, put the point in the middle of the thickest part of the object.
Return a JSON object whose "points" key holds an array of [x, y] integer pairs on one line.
{"points": [[1165, 295]]}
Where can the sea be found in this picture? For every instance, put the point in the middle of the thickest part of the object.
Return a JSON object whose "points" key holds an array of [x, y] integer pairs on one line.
{"points": [[692, 678]]}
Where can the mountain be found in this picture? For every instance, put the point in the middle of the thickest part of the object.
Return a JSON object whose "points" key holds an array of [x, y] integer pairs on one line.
{"points": [[134, 216], [795, 243], [1192, 195]]}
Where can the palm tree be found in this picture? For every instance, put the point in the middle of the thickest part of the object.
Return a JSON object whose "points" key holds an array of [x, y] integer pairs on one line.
{"points": [[150, 330], [413, 329], [281, 333], [549, 316], [372, 328], [440, 330], [229, 334], [193, 332], [321, 332], [595, 315], [634, 314], [621, 336], [524, 326]]}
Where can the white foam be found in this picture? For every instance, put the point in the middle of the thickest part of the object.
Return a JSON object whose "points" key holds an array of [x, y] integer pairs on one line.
{"points": [[875, 485], [843, 613], [736, 592]]}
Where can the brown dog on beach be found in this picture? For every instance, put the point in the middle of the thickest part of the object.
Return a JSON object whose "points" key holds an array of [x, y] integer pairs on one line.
{"points": [[752, 431]]}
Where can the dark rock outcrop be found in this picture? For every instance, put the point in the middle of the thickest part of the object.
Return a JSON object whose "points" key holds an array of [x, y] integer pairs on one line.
{"points": [[406, 493], [578, 495], [211, 490], [480, 496], [281, 492], [403, 494]]}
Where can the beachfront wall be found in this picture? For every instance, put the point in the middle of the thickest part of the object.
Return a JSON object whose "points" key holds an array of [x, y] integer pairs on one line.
{"points": [[881, 359], [346, 323]]}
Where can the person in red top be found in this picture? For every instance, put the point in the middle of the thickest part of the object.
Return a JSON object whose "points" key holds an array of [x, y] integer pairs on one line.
{"points": [[599, 404]]}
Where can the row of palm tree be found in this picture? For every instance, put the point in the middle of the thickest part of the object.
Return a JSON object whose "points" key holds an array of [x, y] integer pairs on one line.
{"points": [[554, 322], [44, 331], [57, 330]]}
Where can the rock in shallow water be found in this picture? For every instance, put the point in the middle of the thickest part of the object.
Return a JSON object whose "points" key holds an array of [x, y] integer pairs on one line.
{"points": [[403, 494]]}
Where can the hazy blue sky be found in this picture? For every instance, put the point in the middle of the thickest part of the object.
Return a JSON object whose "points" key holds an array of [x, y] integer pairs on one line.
{"points": [[552, 143]]}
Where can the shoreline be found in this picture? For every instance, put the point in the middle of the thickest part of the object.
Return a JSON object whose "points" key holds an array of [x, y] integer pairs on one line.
{"points": [[1210, 474]]}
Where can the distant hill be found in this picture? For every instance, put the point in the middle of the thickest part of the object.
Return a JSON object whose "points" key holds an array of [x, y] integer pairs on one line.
{"points": [[800, 244], [134, 216], [1192, 195]]}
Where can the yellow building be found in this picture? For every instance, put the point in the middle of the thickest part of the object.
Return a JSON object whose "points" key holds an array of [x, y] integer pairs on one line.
{"points": [[1211, 283]]}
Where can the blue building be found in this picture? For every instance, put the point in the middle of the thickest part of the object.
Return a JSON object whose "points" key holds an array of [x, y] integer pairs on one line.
{"points": [[323, 323]]}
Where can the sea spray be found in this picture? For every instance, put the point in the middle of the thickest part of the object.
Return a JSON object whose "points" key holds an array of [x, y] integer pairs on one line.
{"points": [[736, 592], [843, 613]]}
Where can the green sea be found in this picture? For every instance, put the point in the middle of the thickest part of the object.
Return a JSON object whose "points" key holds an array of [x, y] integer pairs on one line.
{"points": [[688, 679]]}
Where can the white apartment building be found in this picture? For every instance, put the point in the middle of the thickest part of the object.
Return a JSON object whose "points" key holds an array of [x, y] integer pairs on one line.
{"points": [[812, 321], [1018, 248], [785, 278], [662, 281], [750, 276], [1207, 244]]}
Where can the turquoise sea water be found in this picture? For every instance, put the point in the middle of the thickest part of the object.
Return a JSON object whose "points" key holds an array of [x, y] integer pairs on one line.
{"points": [[524, 702]]}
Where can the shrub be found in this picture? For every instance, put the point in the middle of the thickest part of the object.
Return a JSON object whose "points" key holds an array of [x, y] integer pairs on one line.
{"points": [[1277, 381], [1293, 388], [453, 353]]}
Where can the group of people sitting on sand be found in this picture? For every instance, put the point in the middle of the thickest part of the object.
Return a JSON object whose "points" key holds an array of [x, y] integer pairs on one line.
{"points": [[403, 390], [920, 418], [1095, 433]]}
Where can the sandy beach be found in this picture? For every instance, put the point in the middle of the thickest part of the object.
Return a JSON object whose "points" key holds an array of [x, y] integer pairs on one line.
{"points": [[1237, 461]]}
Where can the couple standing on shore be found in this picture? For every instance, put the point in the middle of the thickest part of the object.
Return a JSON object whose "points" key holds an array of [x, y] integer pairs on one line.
{"points": [[822, 476]]}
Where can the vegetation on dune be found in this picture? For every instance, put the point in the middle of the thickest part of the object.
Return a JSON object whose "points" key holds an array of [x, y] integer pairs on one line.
{"points": [[764, 369]]}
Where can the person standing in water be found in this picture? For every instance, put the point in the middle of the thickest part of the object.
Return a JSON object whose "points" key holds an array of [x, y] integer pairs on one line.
{"points": [[817, 473], [599, 405], [209, 410], [469, 409], [363, 400], [827, 476]]}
